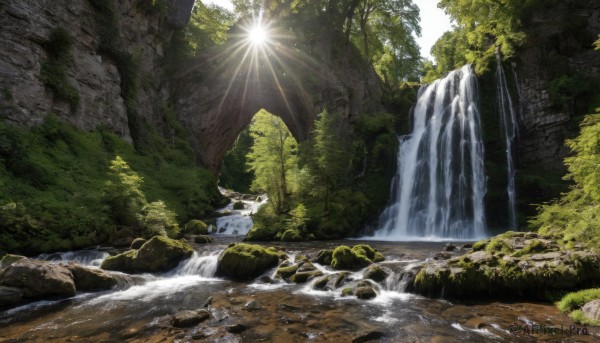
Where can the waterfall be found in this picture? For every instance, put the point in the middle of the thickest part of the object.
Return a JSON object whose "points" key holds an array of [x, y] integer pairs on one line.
{"points": [[508, 122], [440, 184], [91, 258]]}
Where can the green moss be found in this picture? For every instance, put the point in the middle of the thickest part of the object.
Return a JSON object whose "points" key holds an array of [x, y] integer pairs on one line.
{"points": [[376, 273], [54, 68], [536, 246], [347, 291], [576, 300], [203, 239], [359, 256], [121, 262], [579, 317], [302, 277], [366, 251], [195, 227], [291, 235], [244, 261], [137, 243], [286, 272]]}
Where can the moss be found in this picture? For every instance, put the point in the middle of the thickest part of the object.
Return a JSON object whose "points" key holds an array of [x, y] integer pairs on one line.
{"points": [[302, 277], [203, 239], [347, 292], [359, 256], [536, 246], [366, 251], [137, 243], [195, 227], [580, 318], [324, 257], [121, 262], [576, 300], [376, 273], [286, 272], [291, 235], [244, 261]]}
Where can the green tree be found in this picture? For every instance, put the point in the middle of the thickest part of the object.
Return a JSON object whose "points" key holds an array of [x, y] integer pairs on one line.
{"points": [[123, 193], [272, 158], [156, 219]]}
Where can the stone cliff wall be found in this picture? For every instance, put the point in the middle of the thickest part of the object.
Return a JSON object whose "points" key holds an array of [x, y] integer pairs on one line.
{"points": [[559, 40], [27, 25]]}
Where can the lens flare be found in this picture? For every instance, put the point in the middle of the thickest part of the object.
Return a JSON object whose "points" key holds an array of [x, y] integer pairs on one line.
{"points": [[257, 35]]}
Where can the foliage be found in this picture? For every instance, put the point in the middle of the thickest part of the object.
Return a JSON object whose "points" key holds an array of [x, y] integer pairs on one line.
{"points": [[52, 186], [576, 214], [575, 300], [54, 68], [272, 158], [123, 193], [157, 220], [234, 171]]}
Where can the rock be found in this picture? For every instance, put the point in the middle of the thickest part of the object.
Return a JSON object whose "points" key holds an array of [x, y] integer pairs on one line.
{"points": [[9, 259], [264, 279], [347, 291], [159, 254], [185, 319], [358, 257], [10, 296], [39, 279], [245, 261], [137, 243], [442, 256], [467, 246], [196, 227], [179, 12], [324, 257], [252, 306], [302, 277], [450, 247], [203, 239], [369, 336], [88, 279], [286, 272], [306, 266], [238, 205], [376, 273], [237, 328], [365, 293], [591, 310], [322, 281]]}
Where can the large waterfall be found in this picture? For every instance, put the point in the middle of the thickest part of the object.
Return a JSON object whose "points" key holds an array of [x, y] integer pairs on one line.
{"points": [[508, 121], [440, 183]]}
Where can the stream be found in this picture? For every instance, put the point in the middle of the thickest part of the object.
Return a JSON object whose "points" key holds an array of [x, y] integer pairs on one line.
{"points": [[277, 312]]}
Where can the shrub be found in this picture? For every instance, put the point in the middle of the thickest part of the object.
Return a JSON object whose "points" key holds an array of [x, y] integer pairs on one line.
{"points": [[156, 219]]}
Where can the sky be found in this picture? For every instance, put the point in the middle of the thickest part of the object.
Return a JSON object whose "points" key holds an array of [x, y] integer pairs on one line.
{"points": [[434, 22]]}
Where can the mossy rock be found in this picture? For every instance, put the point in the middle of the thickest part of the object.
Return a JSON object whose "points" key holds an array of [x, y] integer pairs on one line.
{"points": [[196, 227], [322, 282], [245, 261], [9, 259], [365, 292], [137, 243], [279, 251], [291, 235], [376, 273], [357, 257], [347, 291], [324, 257], [238, 205], [286, 272], [260, 234], [203, 239], [158, 254], [302, 277]]}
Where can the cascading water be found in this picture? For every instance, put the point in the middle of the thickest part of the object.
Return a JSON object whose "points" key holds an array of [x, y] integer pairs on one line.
{"points": [[440, 183], [239, 222], [508, 121], [92, 258]]}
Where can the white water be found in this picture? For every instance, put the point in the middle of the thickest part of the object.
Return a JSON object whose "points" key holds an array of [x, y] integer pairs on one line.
{"points": [[201, 265], [91, 258], [440, 184], [508, 122], [239, 222]]}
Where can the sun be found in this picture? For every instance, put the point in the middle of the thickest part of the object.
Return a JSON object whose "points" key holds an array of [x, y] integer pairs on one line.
{"points": [[257, 35]]}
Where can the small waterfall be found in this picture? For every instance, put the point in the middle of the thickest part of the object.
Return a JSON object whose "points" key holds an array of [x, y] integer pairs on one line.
{"points": [[92, 258], [202, 265], [239, 222], [508, 122], [440, 184]]}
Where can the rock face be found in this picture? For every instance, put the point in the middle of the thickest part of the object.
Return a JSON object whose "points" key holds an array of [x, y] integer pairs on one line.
{"points": [[591, 310], [87, 279], [512, 265], [38, 279], [564, 32], [10, 296], [159, 254], [27, 24]]}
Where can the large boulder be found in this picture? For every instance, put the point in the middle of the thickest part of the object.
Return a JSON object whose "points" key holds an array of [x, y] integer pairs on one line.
{"points": [[196, 227], [159, 254], [38, 279], [9, 259], [514, 265], [90, 279], [246, 261], [357, 257], [591, 310], [10, 296]]}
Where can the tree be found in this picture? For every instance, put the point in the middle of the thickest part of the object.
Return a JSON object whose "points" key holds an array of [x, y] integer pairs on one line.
{"points": [[156, 219], [272, 158], [123, 193]]}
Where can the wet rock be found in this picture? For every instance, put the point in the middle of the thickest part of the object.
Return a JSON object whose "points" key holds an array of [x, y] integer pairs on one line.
{"points": [[264, 279], [207, 302], [203, 239], [9, 259], [357, 257], [324, 257], [302, 277], [38, 279], [10, 296], [219, 314], [369, 336], [185, 319], [137, 243], [376, 273], [591, 310], [365, 292], [347, 291], [245, 261], [237, 328], [467, 246], [322, 282], [442, 256], [238, 205], [89, 279], [450, 247], [511, 265], [252, 306], [290, 308], [159, 254], [286, 272], [306, 266]]}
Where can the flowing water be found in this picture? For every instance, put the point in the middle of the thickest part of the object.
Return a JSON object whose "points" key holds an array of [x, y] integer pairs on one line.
{"points": [[508, 122], [440, 184], [239, 222], [281, 312]]}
